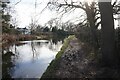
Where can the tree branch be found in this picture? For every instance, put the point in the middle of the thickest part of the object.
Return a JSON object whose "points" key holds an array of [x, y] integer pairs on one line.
{"points": [[114, 3], [18, 2], [96, 26], [70, 5], [97, 19]]}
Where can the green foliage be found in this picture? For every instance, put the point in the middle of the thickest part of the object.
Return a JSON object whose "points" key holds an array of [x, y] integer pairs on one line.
{"points": [[65, 45], [59, 32], [5, 27], [54, 29], [46, 29], [4, 5], [6, 17], [84, 34]]}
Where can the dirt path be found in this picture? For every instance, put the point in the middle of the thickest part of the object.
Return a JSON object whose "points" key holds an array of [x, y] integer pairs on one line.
{"points": [[78, 62], [74, 63]]}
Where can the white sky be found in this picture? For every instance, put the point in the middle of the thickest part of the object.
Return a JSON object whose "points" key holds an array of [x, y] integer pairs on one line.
{"points": [[25, 10]]}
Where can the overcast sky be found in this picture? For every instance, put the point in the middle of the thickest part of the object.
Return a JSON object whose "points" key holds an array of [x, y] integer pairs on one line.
{"points": [[25, 10]]}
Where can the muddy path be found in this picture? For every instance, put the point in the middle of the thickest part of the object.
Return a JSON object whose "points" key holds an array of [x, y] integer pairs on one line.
{"points": [[78, 61]]}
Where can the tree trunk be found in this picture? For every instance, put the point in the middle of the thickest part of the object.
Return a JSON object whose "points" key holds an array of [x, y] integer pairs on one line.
{"points": [[91, 18], [108, 35]]}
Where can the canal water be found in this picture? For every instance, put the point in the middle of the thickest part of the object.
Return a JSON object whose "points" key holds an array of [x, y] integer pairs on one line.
{"points": [[28, 59]]}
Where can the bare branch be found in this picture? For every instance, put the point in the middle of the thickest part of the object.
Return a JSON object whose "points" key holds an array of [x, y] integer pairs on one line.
{"points": [[114, 3], [97, 19], [18, 2], [116, 18], [70, 5], [96, 26], [65, 1], [44, 8], [81, 23]]}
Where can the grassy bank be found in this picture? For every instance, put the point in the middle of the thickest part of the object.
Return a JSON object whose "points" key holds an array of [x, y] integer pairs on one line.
{"points": [[49, 73], [7, 38]]}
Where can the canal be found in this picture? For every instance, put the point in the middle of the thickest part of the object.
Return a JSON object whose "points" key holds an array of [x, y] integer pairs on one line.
{"points": [[28, 59]]}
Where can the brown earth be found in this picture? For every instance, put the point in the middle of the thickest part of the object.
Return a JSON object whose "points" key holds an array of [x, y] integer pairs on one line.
{"points": [[78, 61]]}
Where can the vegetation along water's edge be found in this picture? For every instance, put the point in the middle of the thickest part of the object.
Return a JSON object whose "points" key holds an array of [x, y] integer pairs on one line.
{"points": [[53, 65], [77, 59]]}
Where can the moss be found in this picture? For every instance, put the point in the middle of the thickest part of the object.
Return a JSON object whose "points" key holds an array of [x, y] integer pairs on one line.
{"points": [[65, 45], [50, 72]]}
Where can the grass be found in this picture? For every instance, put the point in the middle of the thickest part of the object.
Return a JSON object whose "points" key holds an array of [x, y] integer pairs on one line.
{"points": [[65, 45], [13, 38], [49, 73]]}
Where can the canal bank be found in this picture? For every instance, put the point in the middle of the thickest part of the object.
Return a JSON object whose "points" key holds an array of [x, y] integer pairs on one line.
{"points": [[77, 60], [72, 61], [49, 73]]}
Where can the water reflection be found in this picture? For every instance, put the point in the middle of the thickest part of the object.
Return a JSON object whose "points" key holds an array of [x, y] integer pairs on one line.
{"points": [[29, 59], [7, 64]]}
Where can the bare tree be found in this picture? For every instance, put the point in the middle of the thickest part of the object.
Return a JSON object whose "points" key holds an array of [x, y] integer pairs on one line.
{"points": [[33, 25], [116, 7], [91, 10]]}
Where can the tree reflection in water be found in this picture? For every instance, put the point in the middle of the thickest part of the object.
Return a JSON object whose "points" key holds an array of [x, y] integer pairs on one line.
{"points": [[8, 60], [7, 64], [54, 41], [33, 50], [17, 57]]}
